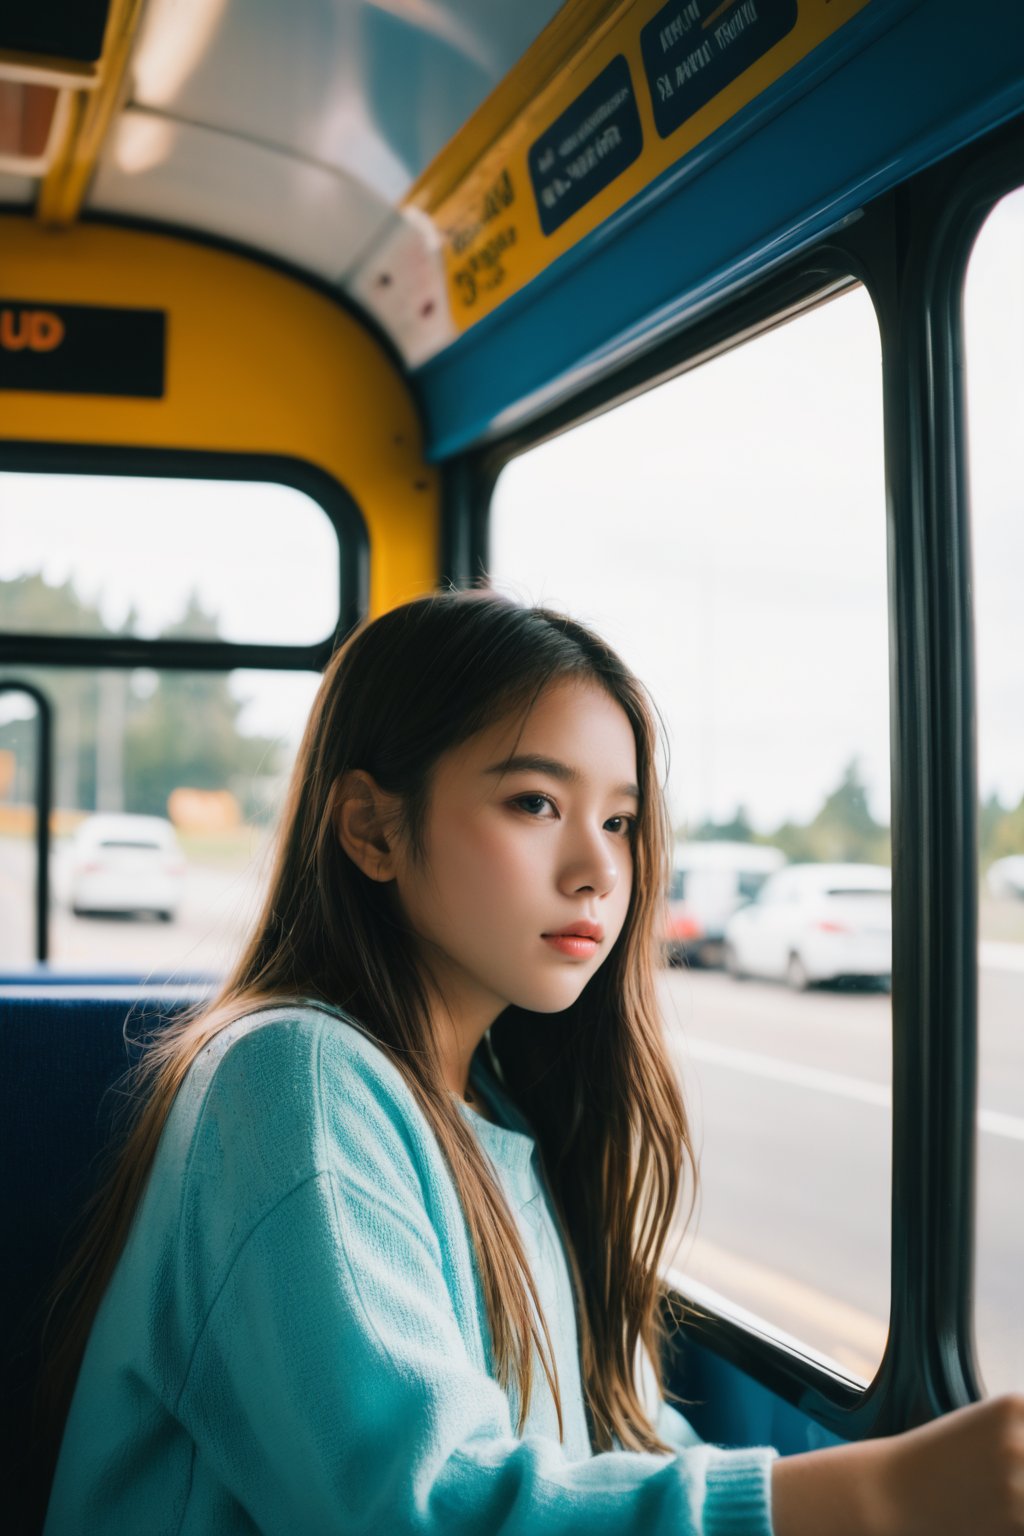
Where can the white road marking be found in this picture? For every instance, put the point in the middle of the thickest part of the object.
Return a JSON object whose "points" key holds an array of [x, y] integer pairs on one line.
{"points": [[859, 1089]]}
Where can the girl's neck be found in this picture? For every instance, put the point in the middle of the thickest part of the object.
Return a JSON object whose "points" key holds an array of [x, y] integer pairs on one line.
{"points": [[458, 1032]]}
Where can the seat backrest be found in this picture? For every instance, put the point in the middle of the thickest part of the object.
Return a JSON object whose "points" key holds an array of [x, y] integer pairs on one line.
{"points": [[63, 1050]]}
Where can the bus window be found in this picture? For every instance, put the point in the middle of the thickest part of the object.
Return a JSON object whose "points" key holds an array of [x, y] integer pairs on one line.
{"points": [[727, 532], [166, 788], [165, 783], [994, 322], [127, 554]]}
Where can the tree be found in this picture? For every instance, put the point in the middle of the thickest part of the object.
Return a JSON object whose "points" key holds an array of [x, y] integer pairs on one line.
{"points": [[186, 733], [844, 820], [146, 732], [29, 604], [844, 830], [795, 842], [1008, 834], [990, 817], [738, 830]]}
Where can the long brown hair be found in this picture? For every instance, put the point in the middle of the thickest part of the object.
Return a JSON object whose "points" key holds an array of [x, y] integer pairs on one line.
{"points": [[598, 1089]]}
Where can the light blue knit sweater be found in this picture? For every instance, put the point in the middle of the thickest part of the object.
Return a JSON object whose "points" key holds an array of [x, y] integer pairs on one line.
{"points": [[294, 1341]]}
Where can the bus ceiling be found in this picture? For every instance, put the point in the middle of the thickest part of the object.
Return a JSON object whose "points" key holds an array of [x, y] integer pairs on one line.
{"points": [[521, 198]]}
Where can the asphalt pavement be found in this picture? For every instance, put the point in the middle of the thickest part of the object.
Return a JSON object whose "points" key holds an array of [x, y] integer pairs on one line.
{"points": [[789, 1097]]}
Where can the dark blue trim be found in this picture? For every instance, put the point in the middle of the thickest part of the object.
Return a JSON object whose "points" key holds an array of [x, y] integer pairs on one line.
{"points": [[76, 983], [898, 88], [728, 1407]]}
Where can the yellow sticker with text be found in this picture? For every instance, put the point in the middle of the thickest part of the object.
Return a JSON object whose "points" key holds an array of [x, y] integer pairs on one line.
{"points": [[648, 84]]}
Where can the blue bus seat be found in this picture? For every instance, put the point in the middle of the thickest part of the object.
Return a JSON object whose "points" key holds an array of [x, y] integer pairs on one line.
{"points": [[63, 1047]]}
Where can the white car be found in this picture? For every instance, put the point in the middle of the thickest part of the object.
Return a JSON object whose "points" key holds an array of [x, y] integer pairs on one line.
{"points": [[815, 922], [120, 863], [1006, 876]]}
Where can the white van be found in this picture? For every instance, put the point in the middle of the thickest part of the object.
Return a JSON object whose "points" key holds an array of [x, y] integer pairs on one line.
{"points": [[709, 881]]}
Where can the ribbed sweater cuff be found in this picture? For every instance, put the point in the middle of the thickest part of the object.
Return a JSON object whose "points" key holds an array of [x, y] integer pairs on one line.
{"points": [[738, 1498]]}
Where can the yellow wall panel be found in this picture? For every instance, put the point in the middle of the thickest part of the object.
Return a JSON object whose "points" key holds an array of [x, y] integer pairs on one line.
{"points": [[256, 362]]}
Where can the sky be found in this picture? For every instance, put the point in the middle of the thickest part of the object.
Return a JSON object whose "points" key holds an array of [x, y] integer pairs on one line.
{"points": [[264, 558], [994, 325], [726, 531]]}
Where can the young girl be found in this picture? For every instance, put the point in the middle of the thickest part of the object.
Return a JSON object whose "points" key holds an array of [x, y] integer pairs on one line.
{"points": [[381, 1252]]}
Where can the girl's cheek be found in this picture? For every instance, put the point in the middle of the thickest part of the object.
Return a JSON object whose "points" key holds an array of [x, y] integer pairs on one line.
{"points": [[478, 861]]}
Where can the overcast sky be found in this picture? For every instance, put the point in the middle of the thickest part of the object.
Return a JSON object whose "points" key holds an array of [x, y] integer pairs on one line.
{"points": [[726, 532], [262, 557]]}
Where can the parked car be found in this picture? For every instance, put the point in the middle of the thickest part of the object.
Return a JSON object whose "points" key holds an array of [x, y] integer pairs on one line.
{"points": [[1006, 876], [709, 881], [815, 922], [130, 864]]}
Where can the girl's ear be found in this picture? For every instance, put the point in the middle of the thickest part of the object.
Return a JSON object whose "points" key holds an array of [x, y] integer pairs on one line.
{"points": [[365, 820]]}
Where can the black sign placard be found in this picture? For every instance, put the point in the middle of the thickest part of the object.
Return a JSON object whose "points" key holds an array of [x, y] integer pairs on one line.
{"points": [[692, 49], [82, 349], [60, 29], [584, 150]]}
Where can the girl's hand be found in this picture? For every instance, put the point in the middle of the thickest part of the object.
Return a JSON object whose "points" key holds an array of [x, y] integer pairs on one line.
{"points": [[961, 1475]]}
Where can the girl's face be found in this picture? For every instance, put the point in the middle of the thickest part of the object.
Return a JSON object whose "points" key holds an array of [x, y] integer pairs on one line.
{"points": [[527, 865]]}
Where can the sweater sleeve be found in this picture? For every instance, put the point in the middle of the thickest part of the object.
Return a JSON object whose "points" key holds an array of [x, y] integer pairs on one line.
{"points": [[331, 1389]]}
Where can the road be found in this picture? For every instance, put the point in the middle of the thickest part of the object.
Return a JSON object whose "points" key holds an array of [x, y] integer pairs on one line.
{"points": [[218, 908], [789, 1098]]}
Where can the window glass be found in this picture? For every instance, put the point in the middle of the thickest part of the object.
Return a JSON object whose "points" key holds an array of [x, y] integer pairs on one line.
{"points": [[994, 323], [166, 790], [726, 531], [106, 554]]}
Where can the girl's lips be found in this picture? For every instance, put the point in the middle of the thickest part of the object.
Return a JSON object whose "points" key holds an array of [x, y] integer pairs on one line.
{"points": [[578, 945], [582, 928]]}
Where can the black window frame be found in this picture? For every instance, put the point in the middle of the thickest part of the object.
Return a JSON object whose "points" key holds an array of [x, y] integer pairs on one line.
{"points": [[910, 250], [43, 804], [23, 648], [334, 499]]}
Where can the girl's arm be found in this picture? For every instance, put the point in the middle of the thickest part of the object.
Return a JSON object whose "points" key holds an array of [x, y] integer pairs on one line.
{"points": [[961, 1475], [332, 1390]]}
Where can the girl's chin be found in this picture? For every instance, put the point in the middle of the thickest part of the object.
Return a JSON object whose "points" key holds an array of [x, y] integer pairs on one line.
{"points": [[550, 999]]}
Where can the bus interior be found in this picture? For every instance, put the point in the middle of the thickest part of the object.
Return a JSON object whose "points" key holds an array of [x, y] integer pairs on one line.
{"points": [[703, 320]]}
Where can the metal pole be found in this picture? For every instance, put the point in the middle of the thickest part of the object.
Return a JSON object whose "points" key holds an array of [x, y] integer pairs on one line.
{"points": [[44, 806]]}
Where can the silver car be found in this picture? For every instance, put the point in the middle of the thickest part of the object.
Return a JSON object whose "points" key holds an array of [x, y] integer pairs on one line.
{"points": [[1006, 876]]}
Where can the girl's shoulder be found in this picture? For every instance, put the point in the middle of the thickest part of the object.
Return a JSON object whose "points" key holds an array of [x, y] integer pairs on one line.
{"points": [[281, 1113], [291, 1041], [287, 1092]]}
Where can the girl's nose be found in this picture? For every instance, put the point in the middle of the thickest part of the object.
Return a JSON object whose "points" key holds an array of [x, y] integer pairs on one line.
{"points": [[590, 866]]}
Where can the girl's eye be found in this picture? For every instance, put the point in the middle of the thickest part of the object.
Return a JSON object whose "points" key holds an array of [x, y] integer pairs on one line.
{"points": [[533, 805], [541, 806]]}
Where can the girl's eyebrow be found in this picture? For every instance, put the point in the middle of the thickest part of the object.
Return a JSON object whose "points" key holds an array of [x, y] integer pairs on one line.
{"points": [[533, 762]]}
